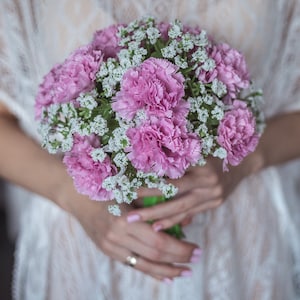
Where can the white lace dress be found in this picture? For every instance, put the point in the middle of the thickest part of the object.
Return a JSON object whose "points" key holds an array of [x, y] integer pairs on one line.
{"points": [[251, 243]]}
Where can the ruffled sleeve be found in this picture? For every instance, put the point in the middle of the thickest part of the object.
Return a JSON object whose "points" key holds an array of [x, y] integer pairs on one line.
{"points": [[16, 73], [283, 83]]}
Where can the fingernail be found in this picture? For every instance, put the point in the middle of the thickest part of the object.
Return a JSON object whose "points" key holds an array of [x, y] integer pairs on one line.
{"points": [[197, 252], [167, 280], [133, 218], [157, 227], [196, 255], [186, 273], [194, 259]]}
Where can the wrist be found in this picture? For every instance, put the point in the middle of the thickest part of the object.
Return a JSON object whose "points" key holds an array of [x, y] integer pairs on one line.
{"points": [[253, 163], [70, 200], [66, 196]]}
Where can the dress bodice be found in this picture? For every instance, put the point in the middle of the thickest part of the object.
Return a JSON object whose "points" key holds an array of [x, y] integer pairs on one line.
{"points": [[37, 34]]}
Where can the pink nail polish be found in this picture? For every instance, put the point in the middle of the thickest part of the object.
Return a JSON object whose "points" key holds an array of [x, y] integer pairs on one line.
{"points": [[167, 280], [133, 218], [194, 259], [157, 227], [197, 252], [196, 255], [186, 273]]}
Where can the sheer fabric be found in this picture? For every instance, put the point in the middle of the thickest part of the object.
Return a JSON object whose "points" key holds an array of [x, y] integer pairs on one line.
{"points": [[251, 243]]}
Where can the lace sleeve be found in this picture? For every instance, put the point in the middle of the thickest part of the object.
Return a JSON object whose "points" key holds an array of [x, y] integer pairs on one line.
{"points": [[15, 75], [284, 78]]}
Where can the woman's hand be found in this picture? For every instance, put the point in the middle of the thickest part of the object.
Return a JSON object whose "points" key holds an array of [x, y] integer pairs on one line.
{"points": [[157, 253], [114, 236], [200, 189]]}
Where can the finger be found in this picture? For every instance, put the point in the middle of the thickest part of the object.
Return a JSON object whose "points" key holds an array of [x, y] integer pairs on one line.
{"points": [[169, 222], [197, 177], [172, 207], [166, 223], [142, 239], [175, 210], [186, 221], [160, 271], [143, 247], [212, 204], [185, 216], [165, 248], [164, 271], [159, 211]]}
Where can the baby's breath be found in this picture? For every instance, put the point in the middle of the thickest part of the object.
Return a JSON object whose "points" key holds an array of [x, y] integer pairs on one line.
{"points": [[208, 65], [219, 88], [153, 34], [181, 62], [207, 144], [194, 103], [187, 42], [201, 40], [217, 113], [139, 35], [98, 154], [200, 55], [208, 99], [118, 141], [168, 52], [203, 115], [109, 183], [175, 30], [115, 210], [168, 190], [87, 101], [121, 160], [99, 126], [67, 143], [220, 153]]}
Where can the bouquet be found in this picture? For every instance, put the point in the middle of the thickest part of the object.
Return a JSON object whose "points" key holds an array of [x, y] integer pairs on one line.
{"points": [[141, 103]]}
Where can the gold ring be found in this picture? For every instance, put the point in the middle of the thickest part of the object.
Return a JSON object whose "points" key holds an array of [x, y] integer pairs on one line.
{"points": [[131, 261]]}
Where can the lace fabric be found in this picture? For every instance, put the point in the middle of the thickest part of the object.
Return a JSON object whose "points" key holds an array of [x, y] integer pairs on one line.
{"points": [[251, 243]]}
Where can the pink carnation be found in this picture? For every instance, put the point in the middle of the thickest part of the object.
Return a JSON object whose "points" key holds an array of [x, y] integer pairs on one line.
{"points": [[87, 174], [231, 69], [107, 41], [163, 28], [193, 30], [163, 148], [236, 133], [154, 86], [66, 81]]}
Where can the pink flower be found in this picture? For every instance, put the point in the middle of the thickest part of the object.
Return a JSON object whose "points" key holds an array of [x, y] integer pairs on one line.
{"points": [[164, 27], [107, 41], [193, 30], [236, 133], [66, 81], [87, 174], [154, 86], [163, 147], [231, 69]]}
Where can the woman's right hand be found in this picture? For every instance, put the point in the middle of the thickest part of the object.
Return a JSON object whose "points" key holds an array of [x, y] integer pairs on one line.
{"points": [[113, 235], [158, 253]]}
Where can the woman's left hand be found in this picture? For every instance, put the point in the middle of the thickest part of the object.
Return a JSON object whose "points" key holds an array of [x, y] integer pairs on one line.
{"points": [[200, 189]]}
